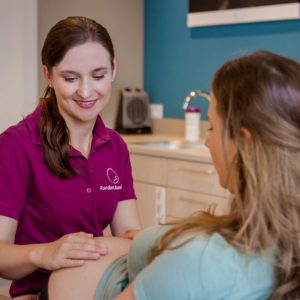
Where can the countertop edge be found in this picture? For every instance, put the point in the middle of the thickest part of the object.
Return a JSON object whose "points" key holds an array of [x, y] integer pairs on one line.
{"points": [[132, 141]]}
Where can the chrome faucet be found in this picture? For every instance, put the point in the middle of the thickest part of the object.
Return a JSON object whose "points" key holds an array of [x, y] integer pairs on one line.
{"points": [[193, 94]]}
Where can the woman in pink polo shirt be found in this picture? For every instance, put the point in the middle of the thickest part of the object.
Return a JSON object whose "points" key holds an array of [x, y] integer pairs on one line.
{"points": [[64, 175]]}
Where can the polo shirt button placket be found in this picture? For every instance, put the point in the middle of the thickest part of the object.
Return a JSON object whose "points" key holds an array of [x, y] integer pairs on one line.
{"points": [[88, 190]]}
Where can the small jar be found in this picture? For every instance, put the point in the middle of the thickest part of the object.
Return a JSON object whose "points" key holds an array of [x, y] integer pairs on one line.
{"points": [[192, 124]]}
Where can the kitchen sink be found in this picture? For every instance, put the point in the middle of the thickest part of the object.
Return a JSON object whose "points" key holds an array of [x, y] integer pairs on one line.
{"points": [[172, 145]]}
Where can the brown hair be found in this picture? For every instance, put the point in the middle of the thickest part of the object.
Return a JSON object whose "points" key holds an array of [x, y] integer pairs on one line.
{"points": [[261, 93], [63, 36]]}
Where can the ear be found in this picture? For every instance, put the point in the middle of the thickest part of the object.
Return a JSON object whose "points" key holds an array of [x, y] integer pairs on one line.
{"points": [[246, 133], [47, 75], [114, 69]]}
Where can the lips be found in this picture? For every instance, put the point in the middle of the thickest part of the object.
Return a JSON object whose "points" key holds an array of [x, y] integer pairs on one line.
{"points": [[85, 103]]}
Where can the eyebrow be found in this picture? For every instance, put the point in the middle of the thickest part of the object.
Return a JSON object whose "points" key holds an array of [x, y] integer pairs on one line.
{"points": [[100, 69], [75, 73]]}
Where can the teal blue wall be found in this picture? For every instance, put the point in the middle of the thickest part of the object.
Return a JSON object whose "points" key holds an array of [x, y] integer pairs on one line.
{"points": [[179, 59]]}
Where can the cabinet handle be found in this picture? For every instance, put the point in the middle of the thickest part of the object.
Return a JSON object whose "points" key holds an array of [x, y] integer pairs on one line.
{"points": [[205, 172]]}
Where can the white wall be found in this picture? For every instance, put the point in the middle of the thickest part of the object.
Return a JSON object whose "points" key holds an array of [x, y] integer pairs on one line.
{"points": [[124, 19], [18, 59], [18, 64]]}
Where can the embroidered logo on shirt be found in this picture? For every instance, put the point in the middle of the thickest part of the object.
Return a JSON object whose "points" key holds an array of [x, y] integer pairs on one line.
{"points": [[114, 178]]}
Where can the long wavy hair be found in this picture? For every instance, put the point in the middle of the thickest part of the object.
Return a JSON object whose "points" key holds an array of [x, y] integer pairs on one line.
{"points": [[63, 36], [261, 93]]}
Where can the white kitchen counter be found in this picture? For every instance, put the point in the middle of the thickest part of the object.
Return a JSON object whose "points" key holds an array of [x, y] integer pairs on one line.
{"points": [[200, 155]]}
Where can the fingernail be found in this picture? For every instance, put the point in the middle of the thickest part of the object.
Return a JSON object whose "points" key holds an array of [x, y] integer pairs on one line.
{"points": [[103, 250]]}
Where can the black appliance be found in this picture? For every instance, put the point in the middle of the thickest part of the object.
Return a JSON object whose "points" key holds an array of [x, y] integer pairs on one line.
{"points": [[134, 112]]}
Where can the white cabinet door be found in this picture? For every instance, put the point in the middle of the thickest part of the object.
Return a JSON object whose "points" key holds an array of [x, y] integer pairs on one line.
{"points": [[149, 169], [182, 203], [169, 189], [194, 176]]}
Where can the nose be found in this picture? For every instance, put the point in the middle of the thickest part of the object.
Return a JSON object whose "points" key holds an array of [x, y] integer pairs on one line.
{"points": [[206, 142], [84, 89]]}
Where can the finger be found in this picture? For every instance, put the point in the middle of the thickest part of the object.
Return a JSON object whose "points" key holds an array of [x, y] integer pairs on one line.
{"points": [[103, 249], [82, 233], [130, 234], [71, 263], [81, 242], [76, 238], [82, 255], [89, 247], [27, 297]]}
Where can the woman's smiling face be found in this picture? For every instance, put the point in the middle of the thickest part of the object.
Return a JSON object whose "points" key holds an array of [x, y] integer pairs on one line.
{"points": [[82, 82]]}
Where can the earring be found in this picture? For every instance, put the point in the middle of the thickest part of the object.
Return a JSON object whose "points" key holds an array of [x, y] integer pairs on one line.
{"points": [[50, 85]]}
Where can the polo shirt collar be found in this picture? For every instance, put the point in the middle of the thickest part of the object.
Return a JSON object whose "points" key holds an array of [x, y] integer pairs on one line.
{"points": [[100, 132]]}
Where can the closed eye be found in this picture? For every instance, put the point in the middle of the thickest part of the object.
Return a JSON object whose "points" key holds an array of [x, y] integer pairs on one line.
{"points": [[99, 77], [70, 79]]}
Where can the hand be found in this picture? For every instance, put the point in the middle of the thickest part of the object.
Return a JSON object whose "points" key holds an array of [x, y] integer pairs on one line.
{"points": [[130, 234], [71, 250], [27, 297]]}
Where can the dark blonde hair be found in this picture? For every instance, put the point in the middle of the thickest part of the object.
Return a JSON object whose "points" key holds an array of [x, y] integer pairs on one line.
{"points": [[261, 93], [63, 36]]}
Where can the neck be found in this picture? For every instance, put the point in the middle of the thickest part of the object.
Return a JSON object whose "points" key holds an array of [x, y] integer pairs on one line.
{"points": [[81, 138]]}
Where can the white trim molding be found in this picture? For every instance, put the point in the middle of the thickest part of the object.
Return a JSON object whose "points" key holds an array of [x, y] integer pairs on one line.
{"points": [[244, 15]]}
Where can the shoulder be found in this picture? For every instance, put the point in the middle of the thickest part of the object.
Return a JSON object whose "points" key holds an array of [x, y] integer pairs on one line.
{"points": [[107, 135], [147, 238], [236, 274], [116, 143], [199, 246], [24, 131], [14, 154], [115, 137], [138, 256], [14, 135], [207, 266]]}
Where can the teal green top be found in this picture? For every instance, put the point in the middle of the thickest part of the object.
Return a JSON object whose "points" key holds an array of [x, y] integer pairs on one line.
{"points": [[207, 268]]}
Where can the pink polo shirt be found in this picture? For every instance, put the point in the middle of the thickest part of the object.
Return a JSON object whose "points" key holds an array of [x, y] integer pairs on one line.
{"points": [[48, 207]]}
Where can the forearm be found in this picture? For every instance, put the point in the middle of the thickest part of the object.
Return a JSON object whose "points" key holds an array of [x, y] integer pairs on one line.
{"points": [[126, 222], [17, 261]]}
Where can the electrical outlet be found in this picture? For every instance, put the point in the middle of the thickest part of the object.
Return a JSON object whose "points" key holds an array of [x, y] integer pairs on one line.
{"points": [[160, 204], [157, 111]]}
